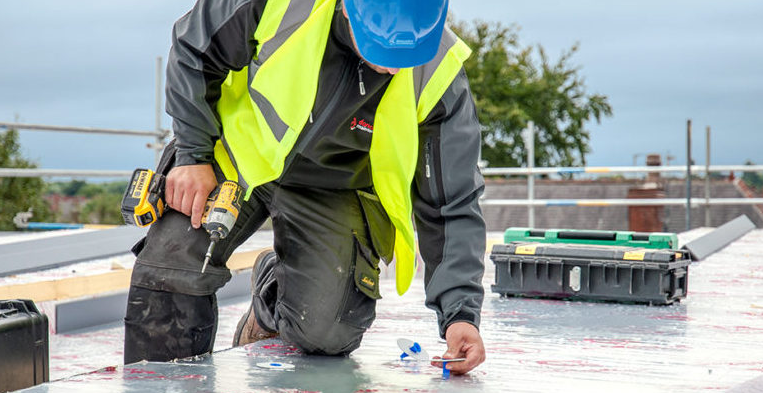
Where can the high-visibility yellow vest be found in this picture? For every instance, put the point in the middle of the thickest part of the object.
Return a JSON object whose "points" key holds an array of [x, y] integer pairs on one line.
{"points": [[264, 107]]}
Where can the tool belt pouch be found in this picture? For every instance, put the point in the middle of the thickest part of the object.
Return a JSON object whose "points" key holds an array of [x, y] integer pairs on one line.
{"points": [[378, 225]]}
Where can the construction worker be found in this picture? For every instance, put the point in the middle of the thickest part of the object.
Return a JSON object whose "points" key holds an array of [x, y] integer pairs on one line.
{"points": [[342, 120]]}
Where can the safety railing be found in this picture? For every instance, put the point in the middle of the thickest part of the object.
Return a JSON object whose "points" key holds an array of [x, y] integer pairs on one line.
{"points": [[689, 203], [159, 135], [530, 172], [687, 170]]}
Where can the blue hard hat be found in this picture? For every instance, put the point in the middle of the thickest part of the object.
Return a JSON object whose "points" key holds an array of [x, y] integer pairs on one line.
{"points": [[397, 33]]}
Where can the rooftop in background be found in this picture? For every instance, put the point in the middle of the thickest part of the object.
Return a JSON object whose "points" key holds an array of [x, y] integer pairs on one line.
{"points": [[609, 217]]}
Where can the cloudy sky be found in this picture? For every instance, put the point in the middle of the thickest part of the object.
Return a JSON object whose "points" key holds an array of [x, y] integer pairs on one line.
{"points": [[92, 63]]}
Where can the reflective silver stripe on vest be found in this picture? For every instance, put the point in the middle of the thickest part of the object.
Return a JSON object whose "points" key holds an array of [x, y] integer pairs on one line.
{"points": [[422, 74], [277, 126], [241, 180], [296, 13]]}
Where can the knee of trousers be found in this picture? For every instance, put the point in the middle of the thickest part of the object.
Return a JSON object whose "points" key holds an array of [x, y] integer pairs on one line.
{"points": [[170, 259], [324, 335], [161, 326]]}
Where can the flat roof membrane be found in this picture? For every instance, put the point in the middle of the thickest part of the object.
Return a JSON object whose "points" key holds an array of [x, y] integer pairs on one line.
{"points": [[708, 341]]}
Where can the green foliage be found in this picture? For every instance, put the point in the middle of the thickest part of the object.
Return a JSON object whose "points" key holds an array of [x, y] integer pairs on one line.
{"points": [[104, 199], [18, 194], [103, 209], [513, 85], [753, 180]]}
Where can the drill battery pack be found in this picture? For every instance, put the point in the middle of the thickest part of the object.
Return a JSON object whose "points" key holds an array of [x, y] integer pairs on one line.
{"points": [[23, 345], [590, 272], [143, 200]]}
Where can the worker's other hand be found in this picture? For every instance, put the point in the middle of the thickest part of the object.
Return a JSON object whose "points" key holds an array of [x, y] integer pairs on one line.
{"points": [[464, 341], [187, 189]]}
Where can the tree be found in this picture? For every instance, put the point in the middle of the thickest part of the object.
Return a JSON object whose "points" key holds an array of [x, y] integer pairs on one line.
{"points": [[103, 209], [512, 86], [103, 199], [753, 180], [18, 194]]}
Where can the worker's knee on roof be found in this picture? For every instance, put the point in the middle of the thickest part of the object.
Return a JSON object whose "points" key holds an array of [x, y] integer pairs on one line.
{"points": [[317, 342], [319, 336]]}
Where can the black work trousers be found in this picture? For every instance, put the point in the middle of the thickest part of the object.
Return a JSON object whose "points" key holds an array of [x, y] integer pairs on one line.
{"points": [[318, 292]]}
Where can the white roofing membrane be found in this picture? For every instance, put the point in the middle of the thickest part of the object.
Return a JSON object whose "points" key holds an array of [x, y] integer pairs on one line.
{"points": [[708, 341]]}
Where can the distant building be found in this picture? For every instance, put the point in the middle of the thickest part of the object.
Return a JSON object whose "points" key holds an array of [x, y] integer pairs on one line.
{"points": [[672, 218], [66, 208]]}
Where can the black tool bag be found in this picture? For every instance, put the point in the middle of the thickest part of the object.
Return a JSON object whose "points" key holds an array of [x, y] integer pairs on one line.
{"points": [[23, 345], [588, 272]]}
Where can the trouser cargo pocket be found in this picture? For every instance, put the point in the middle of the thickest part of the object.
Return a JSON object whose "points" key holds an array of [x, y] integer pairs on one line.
{"points": [[362, 290], [379, 227]]}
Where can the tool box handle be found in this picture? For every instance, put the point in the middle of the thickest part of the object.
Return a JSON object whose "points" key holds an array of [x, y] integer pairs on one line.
{"points": [[583, 235], [678, 283]]}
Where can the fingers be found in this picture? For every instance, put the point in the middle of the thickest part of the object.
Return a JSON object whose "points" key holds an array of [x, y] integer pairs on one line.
{"points": [[463, 341], [473, 359], [187, 188], [169, 191], [187, 203], [455, 343], [197, 208]]}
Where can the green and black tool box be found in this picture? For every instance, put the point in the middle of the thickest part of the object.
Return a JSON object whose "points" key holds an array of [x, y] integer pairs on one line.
{"points": [[604, 238], [23, 345], [590, 272]]}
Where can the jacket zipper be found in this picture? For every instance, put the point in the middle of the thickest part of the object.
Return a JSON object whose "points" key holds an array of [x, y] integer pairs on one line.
{"points": [[432, 180], [325, 113], [361, 85]]}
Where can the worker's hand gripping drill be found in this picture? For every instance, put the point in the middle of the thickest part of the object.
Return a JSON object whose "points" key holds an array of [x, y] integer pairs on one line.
{"points": [[191, 190]]}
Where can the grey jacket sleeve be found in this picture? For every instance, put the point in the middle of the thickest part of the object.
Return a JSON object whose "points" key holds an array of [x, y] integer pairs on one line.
{"points": [[449, 223], [216, 36]]}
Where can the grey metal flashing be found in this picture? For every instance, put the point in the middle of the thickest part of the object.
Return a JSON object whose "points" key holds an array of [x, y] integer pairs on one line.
{"points": [[722, 236], [239, 285], [751, 386], [93, 311], [79, 314], [31, 255]]}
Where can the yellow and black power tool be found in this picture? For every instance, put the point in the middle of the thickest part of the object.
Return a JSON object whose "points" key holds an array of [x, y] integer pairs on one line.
{"points": [[143, 204], [220, 214]]}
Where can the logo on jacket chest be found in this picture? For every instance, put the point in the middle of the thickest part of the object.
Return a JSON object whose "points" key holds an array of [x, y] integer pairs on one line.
{"points": [[361, 125]]}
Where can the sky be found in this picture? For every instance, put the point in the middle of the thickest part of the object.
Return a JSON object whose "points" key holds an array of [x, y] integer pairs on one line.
{"points": [[92, 63]]}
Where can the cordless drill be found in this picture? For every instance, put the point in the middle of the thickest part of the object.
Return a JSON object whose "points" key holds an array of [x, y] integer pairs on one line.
{"points": [[220, 214], [143, 204]]}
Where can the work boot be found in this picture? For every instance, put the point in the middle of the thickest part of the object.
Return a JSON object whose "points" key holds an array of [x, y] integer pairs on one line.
{"points": [[248, 330]]}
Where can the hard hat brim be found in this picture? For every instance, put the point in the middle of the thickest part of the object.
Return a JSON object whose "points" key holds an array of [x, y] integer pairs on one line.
{"points": [[390, 55]]}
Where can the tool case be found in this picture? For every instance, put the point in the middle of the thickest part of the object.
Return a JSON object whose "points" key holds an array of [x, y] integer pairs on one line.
{"points": [[23, 345], [606, 238], [590, 272]]}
